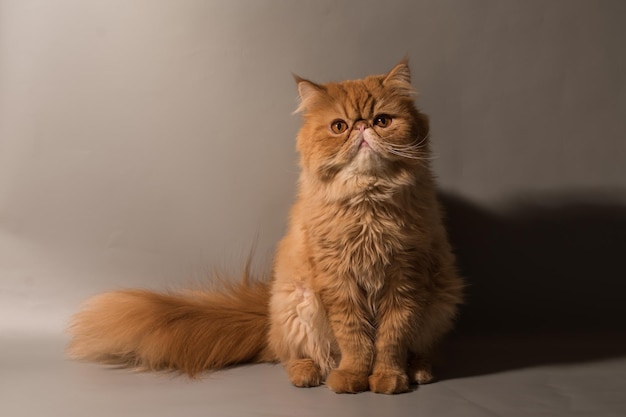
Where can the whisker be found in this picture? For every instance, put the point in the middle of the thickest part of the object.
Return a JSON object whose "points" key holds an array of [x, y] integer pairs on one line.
{"points": [[409, 155], [416, 144], [409, 151]]}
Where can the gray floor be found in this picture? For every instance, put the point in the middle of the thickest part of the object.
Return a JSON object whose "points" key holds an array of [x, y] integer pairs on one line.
{"points": [[576, 375]]}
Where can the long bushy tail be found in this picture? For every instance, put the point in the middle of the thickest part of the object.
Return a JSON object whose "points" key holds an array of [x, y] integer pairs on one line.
{"points": [[189, 331]]}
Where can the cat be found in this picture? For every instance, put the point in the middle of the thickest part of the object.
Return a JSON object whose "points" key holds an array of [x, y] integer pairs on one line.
{"points": [[364, 283]]}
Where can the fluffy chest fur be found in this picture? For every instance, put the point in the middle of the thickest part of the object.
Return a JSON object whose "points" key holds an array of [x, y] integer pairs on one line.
{"points": [[361, 237]]}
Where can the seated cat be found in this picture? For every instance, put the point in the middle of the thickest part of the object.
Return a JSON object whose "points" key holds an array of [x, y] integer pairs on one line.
{"points": [[364, 283]]}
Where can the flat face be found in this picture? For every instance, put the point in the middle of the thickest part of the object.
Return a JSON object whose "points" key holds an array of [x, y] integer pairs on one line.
{"points": [[361, 126]]}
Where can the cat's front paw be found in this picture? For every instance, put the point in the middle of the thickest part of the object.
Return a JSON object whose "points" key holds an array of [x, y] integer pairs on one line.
{"points": [[341, 381], [389, 382]]}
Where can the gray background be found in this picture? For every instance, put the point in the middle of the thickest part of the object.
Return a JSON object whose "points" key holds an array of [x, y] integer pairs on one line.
{"points": [[147, 143]]}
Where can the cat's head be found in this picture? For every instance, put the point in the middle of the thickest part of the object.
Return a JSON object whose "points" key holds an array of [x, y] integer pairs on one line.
{"points": [[361, 127]]}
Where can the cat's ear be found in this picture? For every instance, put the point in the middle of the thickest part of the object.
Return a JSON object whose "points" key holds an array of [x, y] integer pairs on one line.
{"points": [[399, 78], [309, 93]]}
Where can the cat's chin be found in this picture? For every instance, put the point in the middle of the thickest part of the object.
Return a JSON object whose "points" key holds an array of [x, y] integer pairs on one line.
{"points": [[366, 161], [364, 168]]}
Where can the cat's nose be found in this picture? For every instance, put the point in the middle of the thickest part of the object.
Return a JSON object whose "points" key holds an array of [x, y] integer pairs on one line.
{"points": [[361, 125]]}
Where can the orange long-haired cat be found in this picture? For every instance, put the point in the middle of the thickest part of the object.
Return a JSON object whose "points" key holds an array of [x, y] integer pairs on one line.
{"points": [[364, 283]]}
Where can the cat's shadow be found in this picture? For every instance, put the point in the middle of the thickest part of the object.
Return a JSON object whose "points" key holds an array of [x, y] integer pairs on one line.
{"points": [[546, 282]]}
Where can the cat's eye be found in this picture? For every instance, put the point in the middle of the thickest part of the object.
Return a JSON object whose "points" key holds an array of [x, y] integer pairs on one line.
{"points": [[338, 126], [382, 120]]}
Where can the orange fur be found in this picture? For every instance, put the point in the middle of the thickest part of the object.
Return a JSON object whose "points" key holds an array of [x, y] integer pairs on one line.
{"points": [[191, 332], [364, 283]]}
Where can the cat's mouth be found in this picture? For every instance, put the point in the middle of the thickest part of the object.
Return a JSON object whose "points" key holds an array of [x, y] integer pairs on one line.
{"points": [[364, 140]]}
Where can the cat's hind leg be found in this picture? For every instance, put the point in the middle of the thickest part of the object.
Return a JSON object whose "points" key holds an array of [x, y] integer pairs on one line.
{"points": [[300, 334], [436, 322], [420, 370]]}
